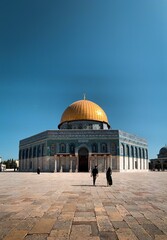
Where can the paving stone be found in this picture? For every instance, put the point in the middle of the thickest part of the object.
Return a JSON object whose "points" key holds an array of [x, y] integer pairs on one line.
{"points": [[60, 233], [52, 214], [162, 227], [62, 224], [80, 231], [9, 224], [142, 220], [122, 210], [104, 225], [92, 224], [131, 221], [69, 208], [16, 235], [160, 237], [115, 216], [27, 224], [152, 229], [43, 226], [136, 214], [140, 233], [119, 224], [108, 236], [5, 215], [100, 211], [125, 234]]}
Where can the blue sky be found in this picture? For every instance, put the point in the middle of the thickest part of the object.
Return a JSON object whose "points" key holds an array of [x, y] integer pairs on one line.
{"points": [[51, 52]]}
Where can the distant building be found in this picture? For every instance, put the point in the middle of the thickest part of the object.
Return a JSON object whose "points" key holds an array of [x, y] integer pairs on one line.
{"points": [[159, 163], [84, 139], [17, 163], [2, 167]]}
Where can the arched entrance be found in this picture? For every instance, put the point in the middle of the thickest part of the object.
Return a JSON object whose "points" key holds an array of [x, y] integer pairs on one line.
{"points": [[83, 160]]}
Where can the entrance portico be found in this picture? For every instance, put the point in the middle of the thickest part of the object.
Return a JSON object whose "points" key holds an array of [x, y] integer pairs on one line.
{"points": [[83, 159]]}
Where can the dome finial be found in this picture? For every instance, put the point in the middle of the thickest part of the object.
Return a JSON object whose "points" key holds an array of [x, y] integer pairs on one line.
{"points": [[84, 95]]}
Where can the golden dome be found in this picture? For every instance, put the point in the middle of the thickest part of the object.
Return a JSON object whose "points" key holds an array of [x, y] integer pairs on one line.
{"points": [[84, 110]]}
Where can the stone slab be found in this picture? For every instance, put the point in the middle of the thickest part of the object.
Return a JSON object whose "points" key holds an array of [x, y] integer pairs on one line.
{"points": [[43, 226]]}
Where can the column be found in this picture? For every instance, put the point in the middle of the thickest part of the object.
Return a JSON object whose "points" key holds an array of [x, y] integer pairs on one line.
{"points": [[143, 164], [76, 170], [162, 164], [105, 163], [61, 167], [70, 170], [96, 163], [138, 163], [55, 163], [90, 164], [110, 161]]}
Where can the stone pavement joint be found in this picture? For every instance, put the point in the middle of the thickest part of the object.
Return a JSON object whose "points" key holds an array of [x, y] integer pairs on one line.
{"points": [[65, 206]]}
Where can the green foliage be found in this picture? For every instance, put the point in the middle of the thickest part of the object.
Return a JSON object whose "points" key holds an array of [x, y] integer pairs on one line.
{"points": [[10, 163]]}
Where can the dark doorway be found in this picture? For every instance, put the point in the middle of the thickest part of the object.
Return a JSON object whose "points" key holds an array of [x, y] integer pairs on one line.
{"points": [[83, 160]]}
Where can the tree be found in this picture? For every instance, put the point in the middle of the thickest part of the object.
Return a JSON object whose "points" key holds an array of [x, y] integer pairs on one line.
{"points": [[10, 163]]}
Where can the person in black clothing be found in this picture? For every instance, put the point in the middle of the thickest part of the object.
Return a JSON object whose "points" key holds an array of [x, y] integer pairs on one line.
{"points": [[109, 176], [38, 170], [94, 174]]}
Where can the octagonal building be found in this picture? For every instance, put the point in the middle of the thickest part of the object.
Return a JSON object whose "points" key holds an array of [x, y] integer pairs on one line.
{"points": [[83, 139]]}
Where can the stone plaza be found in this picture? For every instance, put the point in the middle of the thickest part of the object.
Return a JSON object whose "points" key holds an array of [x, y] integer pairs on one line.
{"points": [[59, 206]]}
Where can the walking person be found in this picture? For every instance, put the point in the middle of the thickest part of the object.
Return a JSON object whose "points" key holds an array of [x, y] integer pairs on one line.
{"points": [[94, 174], [109, 177], [38, 170]]}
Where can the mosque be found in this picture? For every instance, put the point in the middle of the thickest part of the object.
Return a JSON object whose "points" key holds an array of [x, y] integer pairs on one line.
{"points": [[83, 139], [159, 163]]}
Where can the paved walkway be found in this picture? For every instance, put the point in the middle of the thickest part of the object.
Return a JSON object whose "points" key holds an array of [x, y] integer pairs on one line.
{"points": [[63, 206]]}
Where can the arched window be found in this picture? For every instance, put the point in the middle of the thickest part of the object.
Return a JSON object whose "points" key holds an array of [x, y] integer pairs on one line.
{"points": [[38, 151], [72, 148], [143, 153], [146, 154], [30, 152], [123, 154], [34, 152], [26, 153], [43, 149], [140, 153], [94, 148], [104, 148], [30, 164], [53, 149], [132, 152], [62, 148], [113, 149], [127, 151], [122, 149], [128, 154], [140, 156], [136, 152], [23, 154]]}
